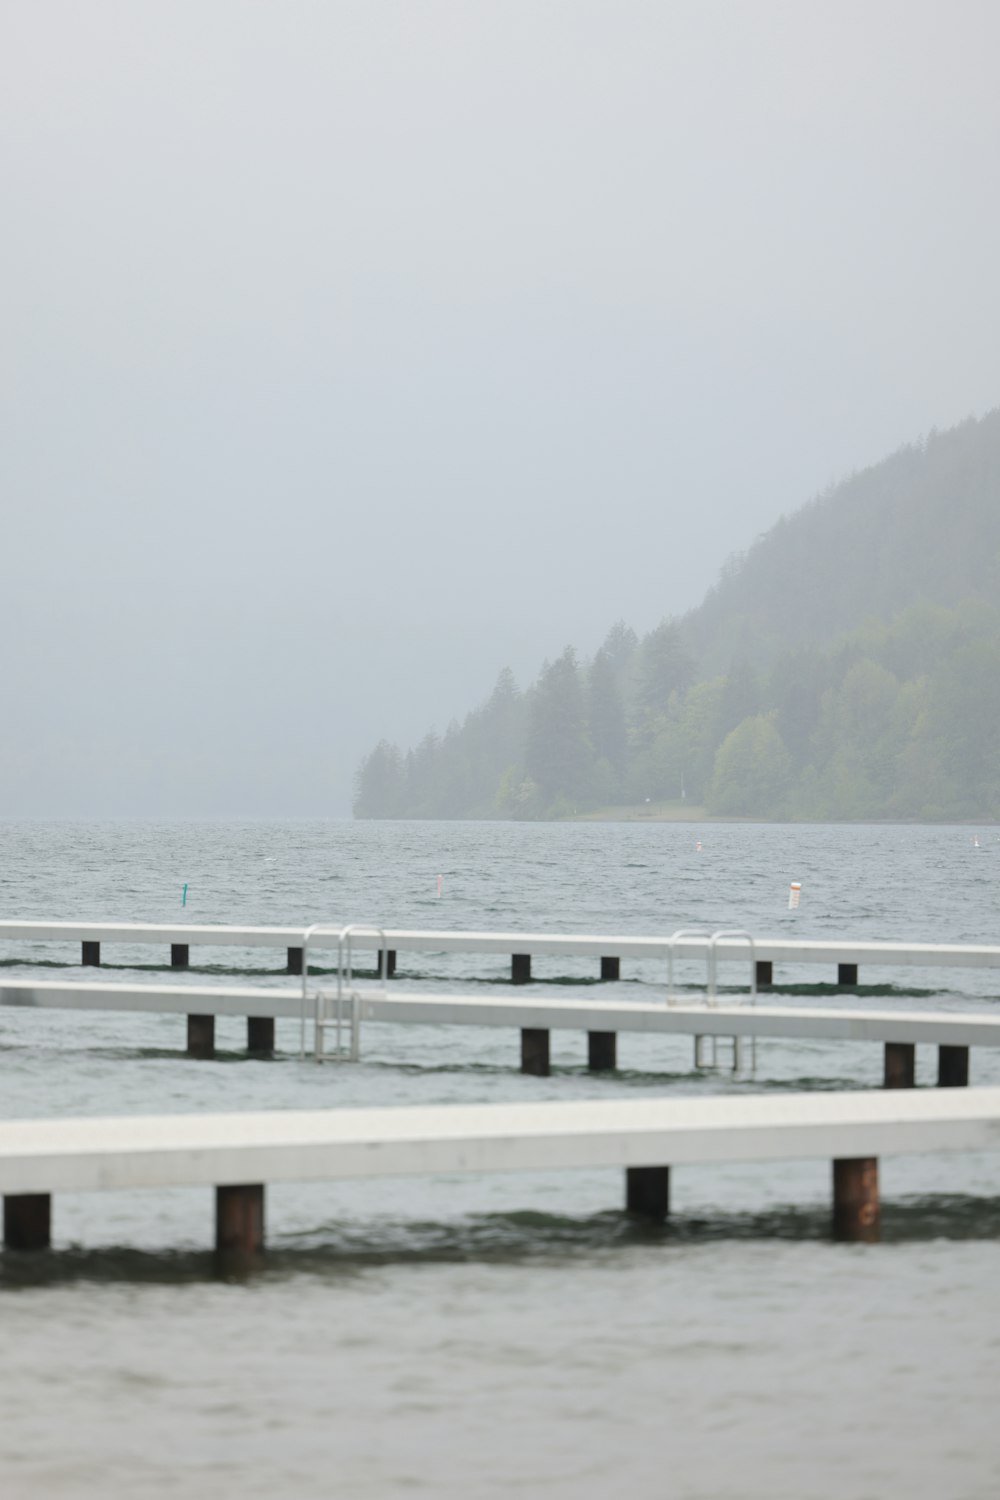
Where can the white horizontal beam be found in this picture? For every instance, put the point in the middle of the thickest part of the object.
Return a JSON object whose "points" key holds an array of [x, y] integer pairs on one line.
{"points": [[174, 999], [942, 1028], [581, 945], [156, 933], [80, 1155], [774, 950]]}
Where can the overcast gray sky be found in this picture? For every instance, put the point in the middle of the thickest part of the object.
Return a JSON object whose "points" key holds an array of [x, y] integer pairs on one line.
{"points": [[352, 351]]}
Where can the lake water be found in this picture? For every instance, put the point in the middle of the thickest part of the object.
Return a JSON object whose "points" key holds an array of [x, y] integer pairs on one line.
{"points": [[454, 1337]]}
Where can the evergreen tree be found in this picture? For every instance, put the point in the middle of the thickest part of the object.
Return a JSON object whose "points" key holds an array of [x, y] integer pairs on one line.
{"points": [[606, 713], [795, 690], [740, 697], [558, 754], [665, 667], [380, 791], [620, 646]]}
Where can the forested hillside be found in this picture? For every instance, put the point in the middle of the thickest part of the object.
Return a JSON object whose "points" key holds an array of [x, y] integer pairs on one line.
{"points": [[848, 666], [922, 526]]}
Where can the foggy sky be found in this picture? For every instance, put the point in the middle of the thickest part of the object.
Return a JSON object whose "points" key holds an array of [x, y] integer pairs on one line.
{"points": [[353, 351]]}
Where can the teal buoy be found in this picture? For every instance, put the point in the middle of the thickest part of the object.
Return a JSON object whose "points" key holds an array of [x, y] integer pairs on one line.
{"points": [[184, 894]]}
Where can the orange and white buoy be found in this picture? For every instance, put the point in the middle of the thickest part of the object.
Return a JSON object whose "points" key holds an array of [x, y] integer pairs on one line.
{"points": [[794, 892]]}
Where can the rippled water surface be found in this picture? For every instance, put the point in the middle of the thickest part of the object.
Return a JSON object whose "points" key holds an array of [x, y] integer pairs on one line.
{"points": [[471, 1337]]}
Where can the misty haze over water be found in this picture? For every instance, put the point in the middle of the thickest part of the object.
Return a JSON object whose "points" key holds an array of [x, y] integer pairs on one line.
{"points": [[352, 353]]}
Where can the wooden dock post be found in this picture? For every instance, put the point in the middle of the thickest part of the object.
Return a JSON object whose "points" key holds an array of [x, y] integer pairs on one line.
{"points": [[765, 973], [201, 1036], [847, 974], [91, 955], [295, 960], [535, 1051], [855, 1199], [27, 1221], [520, 968], [180, 955], [390, 962], [602, 1051], [900, 1065], [260, 1035], [953, 1067], [610, 966], [239, 1226], [647, 1192]]}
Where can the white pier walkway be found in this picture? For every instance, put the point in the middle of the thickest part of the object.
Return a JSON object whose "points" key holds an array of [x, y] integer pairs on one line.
{"points": [[953, 1032], [520, 947], [239, 1153]]}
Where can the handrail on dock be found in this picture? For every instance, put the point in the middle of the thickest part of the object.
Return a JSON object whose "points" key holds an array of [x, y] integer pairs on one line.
{"points": [[345, 975]]}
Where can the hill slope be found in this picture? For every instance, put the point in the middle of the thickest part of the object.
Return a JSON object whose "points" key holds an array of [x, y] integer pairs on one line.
{"points": [[923, 525], [848, 666]]}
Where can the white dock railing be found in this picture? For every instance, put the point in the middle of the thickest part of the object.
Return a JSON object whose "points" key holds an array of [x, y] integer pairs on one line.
{"points": [[953, 1032]]}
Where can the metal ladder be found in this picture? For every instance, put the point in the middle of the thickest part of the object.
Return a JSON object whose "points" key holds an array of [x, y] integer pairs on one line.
{"points": [[338, 1010], [711, 995]]}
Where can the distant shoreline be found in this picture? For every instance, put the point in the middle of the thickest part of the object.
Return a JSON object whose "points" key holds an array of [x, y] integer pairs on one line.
{"points": [[653, 812], [685, 812]]}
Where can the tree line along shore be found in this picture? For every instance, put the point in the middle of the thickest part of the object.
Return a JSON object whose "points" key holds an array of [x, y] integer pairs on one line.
{"points": [[847, 667]]}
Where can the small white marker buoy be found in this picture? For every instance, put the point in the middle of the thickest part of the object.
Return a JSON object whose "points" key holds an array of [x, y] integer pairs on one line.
{"points": [[794, 892], [698, 846], [440, 883]]}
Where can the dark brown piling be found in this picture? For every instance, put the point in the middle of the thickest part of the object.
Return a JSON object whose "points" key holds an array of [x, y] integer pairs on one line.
{"points": [[239, 1226], [260, 1035], [27, 1221], [847, 974], [647, 1192], [180, 955], [611, 966], [535, 1051], [855, 1198], [201, 1036], [520, 968], [765, 973], [953, 1067], [295, 960], [900, 1065], [602, 1051], [91, 956]]}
